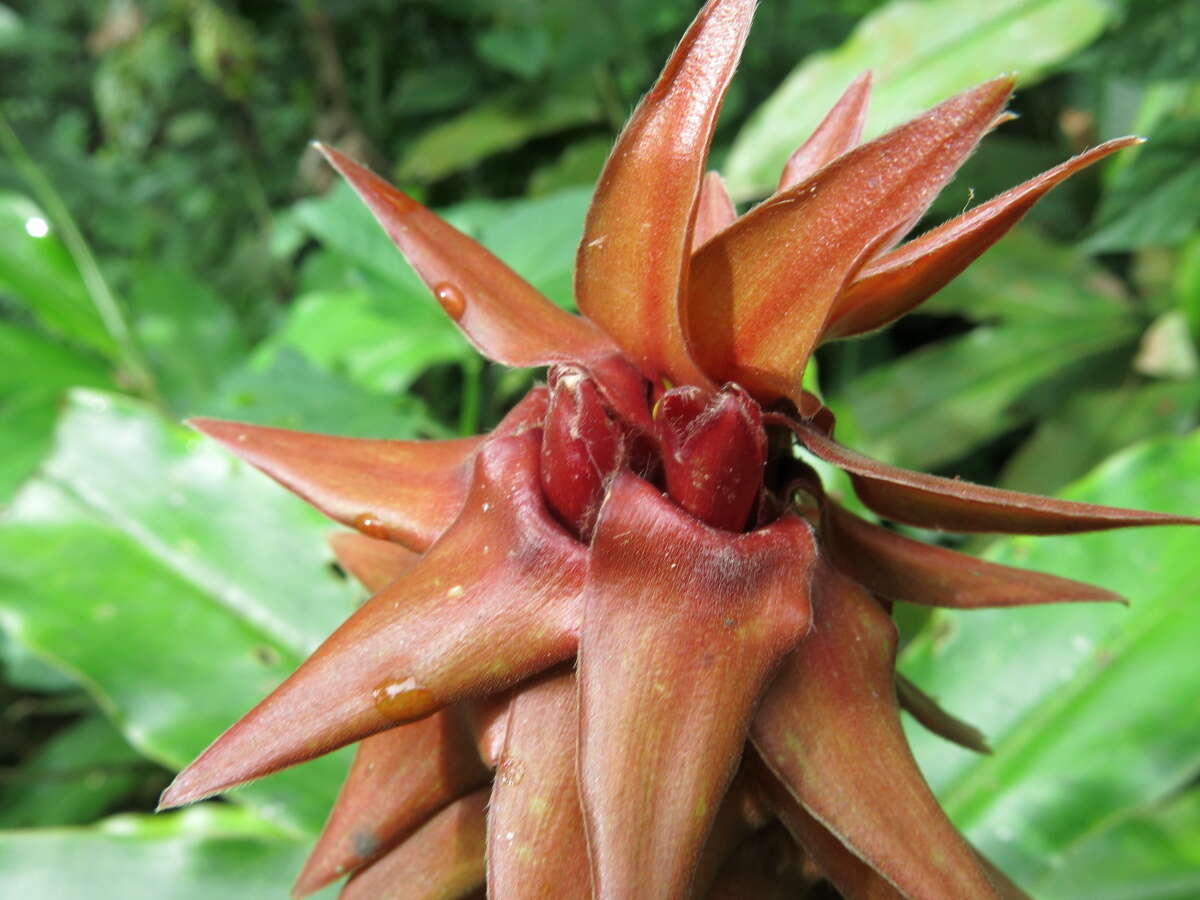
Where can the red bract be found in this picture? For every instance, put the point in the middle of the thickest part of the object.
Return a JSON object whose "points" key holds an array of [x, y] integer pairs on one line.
{"points": [[624, 646]]}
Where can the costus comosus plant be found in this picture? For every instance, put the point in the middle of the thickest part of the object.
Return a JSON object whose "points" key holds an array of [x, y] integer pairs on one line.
{"points": [[626, 646]]}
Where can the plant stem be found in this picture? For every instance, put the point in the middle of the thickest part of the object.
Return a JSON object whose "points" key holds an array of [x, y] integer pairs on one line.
{"points": [[468, 416], [107, 306]]}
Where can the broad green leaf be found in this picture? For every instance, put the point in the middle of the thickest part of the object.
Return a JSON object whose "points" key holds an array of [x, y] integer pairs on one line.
{"points": [[374, 347], [1152, 200], [1187, 286], [537, 237], [1149, 853], [35, 372], [198, 854], [75, 777], [501, 122], [21, 669], [176, 584], [34, 361], [1026, 277], [579, 164], [1090, 710], [37, 272], [921, 52], [435, 88], [10, 28], [932, 406], [188, 334], [282, 388], [523, 51], [26, 432], [1088, 426], [1156, 41]]}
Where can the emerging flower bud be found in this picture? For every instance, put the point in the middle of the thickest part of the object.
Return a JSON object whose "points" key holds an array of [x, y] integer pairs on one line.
{"points": [[581, 448], [713, 451]]}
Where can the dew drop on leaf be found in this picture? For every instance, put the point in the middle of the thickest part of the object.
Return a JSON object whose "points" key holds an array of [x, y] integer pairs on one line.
{"points": [[403, 700], [451, 299]]}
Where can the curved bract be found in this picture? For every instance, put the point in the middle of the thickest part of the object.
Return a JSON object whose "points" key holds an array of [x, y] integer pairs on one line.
{"points": [[625, 646]]}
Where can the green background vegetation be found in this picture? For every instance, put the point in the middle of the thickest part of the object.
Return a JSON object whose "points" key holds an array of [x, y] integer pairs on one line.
{"points": [[170, 247]]}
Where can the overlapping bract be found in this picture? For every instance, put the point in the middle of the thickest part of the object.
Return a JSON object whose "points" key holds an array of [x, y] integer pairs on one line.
{"points": [[624, 646]]}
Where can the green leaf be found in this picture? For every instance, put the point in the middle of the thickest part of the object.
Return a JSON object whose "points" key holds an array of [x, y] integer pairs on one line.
{"points": [[187, 333], [523, 51], [76, 776], [178, 585], [536, 237], [503, 122], [37, 272], [282, 388], [1088, 426], [1090, 710], [579, 164], [1148, 853], [435, 87], [1157, 41], [36, 371], [199, 854], [921, 51], [1026, 277], [1187, 286], [11, 28], [932, 406], [1152, 200], [21, 669], [26, 429], [33, 361], [373, 346]]}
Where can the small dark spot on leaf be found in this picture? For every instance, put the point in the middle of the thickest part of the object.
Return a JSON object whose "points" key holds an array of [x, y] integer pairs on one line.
{"points": [[266, 654]]}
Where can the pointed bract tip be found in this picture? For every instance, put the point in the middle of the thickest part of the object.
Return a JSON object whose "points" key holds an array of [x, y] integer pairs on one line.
{"points": [[326, 151], [218, 429], [179, 793], [1006, 83], [309, 881], [865, 78]]}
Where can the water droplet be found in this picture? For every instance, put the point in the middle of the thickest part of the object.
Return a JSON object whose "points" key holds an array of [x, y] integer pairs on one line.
{"points": [[403, 700], [370, 526], [452, 300], [37, 227]]}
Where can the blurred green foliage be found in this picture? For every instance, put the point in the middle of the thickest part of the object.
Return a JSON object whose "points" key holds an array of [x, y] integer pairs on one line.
{"points": [[170, 248]]}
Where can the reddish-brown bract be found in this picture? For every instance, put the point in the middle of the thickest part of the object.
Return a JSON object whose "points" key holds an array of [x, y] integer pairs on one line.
{"points": [[646, 519]]}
